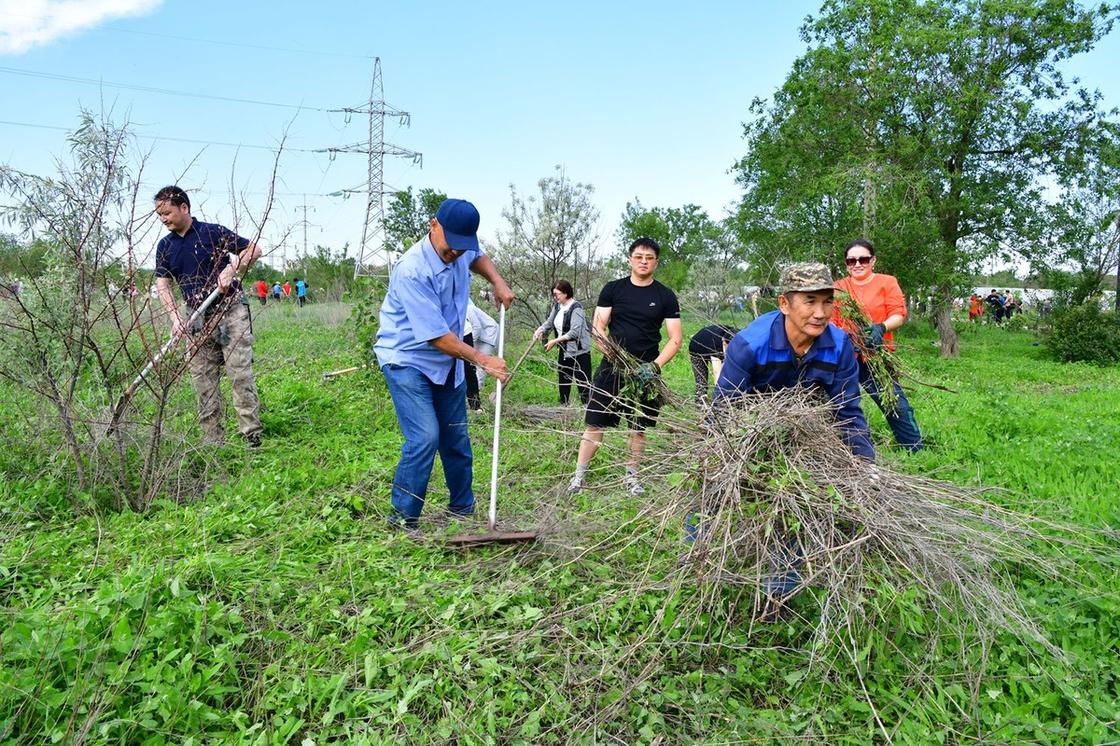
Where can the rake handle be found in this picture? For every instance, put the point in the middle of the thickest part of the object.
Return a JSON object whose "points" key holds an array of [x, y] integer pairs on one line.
{"points": [[493, 516]]}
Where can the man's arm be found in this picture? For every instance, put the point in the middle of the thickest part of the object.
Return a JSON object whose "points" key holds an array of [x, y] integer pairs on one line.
{"points": [[735, 376], [167, 299], [676, 338], [845, 395], [599, 329], [238, 265], [450, 344], [484, 267]]}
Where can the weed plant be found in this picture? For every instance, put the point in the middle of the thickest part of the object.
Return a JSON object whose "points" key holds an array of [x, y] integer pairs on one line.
{"points": [[272, 605]]}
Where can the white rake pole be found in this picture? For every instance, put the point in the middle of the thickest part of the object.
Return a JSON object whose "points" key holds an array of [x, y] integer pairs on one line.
{"points": [[497, 425]]}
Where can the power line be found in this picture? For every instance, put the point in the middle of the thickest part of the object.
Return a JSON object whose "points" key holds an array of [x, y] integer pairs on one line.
{"points": [[156, 138], [153, 89]]}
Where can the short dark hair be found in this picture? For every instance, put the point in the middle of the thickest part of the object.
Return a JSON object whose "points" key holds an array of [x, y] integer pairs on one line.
{"points": [[646, 242], [564, 287], [174, 195], [861, 242]]}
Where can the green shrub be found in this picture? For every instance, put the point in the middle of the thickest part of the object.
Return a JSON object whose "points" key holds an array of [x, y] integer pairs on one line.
{"points": [[1085, 333]]}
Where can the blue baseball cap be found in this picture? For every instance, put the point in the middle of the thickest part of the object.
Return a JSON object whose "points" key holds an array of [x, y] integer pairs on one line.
{"points": [[459, 220]]}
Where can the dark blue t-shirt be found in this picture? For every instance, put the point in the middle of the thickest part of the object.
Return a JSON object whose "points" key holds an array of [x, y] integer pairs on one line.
{"points": [[196, 259], [709, 341]]}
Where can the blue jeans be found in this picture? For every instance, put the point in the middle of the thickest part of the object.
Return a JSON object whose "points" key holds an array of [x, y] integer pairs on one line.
{"points": [[432, 417], [784, 562], [901, 420]]}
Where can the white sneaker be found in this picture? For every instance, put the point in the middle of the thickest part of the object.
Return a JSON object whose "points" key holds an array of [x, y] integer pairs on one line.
{"points": [[575, 485], [633, 485]]}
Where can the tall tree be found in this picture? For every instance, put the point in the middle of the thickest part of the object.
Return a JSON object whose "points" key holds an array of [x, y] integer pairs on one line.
{"points": [[408, 216], [928, 126], [549, 236], [1080, 250], [686, 236]]}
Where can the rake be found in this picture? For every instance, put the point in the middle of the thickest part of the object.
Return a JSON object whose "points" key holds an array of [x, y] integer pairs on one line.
{"points": [[126, 397], [493, 535]]}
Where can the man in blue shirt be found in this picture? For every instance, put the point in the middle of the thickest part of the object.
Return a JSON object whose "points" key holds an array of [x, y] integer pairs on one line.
{"points": [[200, 256], [301, 292], [797, 346], [421, 351]]}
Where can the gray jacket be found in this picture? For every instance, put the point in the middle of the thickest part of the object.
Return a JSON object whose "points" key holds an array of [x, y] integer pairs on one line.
{"points": [[578, 335]]}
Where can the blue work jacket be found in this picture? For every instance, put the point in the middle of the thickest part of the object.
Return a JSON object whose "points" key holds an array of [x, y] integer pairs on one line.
{"points": [[760, 359]]}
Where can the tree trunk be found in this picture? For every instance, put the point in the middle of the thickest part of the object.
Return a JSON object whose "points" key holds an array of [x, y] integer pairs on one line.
{"points": [[943, 320]]}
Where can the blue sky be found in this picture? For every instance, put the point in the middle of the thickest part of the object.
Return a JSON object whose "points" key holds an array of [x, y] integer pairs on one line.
{"points": [[640, 100]]}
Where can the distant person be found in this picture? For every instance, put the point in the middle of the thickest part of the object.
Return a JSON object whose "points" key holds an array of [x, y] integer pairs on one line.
{"points": [[419, 346], [573, 342], [994, 302], [470, 371], [707, 348], [975, 309], [287, 288], [485, 334], [633, 309], [200, 257], [762, 291], [301, 291], [276, 290], [881, 300], [262, 291]]}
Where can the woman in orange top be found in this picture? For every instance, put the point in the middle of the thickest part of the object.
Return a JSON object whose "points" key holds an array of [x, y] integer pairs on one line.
{"points": [[974, 309], [880, 297]]}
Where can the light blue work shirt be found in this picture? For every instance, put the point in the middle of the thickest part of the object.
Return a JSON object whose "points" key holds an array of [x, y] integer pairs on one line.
{"points": [[426, 300]]}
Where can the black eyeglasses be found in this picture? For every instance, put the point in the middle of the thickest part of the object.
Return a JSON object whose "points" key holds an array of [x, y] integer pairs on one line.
{"points": [[852, 261]]}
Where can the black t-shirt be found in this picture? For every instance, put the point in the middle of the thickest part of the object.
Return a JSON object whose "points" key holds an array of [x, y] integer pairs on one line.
{"points": [[709, 340], [637, 314]]}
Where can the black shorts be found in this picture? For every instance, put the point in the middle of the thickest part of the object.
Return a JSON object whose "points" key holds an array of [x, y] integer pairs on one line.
{"points": [[605, 408]]}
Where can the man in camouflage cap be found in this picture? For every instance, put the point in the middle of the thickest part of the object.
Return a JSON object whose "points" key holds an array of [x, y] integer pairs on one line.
{"points": [[797, 346]]}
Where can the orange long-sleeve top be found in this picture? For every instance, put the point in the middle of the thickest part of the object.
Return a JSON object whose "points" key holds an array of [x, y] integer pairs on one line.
{"points": [[880, 298]]}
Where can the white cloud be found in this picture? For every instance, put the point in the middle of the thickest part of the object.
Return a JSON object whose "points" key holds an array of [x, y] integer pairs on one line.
{"points": [[28, 23]]}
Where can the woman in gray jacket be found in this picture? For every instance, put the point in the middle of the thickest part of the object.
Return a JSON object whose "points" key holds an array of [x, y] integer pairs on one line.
{"points": [[573, 337]]}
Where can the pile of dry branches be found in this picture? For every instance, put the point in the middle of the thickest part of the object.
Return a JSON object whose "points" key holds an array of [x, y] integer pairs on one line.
{"points": [[779, 504]]}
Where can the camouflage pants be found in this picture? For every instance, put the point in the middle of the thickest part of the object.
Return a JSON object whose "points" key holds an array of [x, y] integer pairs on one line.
{"points": [[226, 338]]}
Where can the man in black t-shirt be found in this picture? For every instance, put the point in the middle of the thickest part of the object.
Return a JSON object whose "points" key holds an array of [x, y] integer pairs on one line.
{"points": [[633, 309]]}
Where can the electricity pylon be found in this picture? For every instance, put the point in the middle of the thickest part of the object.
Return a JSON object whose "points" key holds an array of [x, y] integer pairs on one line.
{"points": [[374, 258]]}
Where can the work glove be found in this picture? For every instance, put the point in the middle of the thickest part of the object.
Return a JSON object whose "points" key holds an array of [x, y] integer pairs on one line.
{"points": [[646, 374], [874, 337]]}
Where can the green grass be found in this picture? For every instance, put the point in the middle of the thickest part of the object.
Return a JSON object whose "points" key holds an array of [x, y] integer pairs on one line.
{"points": [[277, 608]]}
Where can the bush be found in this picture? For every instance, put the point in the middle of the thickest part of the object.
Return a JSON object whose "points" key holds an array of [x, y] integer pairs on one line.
{"points": [[1085, 334]]}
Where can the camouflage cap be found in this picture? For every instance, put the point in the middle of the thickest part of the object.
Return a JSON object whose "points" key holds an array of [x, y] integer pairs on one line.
{"points": [[805, 277]]}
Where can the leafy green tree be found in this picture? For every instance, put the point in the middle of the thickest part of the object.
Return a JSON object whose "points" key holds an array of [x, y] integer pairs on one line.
{"points": [[408, 215], [22, 261], [1080, 250], [930, 127], [328, 272], [686, 236]]}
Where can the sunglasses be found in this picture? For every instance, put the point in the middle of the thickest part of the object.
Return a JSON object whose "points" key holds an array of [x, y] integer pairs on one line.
{"points": [[852, 261]]}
